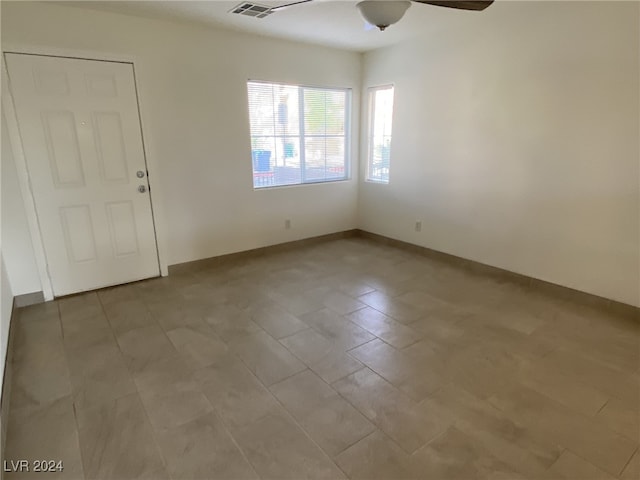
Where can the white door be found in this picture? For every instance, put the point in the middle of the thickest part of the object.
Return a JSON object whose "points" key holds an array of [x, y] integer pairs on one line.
{"points": [[83, 145]]}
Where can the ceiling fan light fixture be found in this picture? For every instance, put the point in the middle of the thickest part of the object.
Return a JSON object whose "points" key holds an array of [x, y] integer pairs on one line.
{"points": [[383, 13]]}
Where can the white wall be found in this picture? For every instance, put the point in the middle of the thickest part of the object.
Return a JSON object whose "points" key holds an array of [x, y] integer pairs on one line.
{"points": [[194, 109], [6, 304], [17, 249], [515, 142]]}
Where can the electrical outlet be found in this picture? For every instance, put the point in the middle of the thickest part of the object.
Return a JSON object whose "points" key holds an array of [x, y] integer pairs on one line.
{"points": [[418, 226], [287, 224]]}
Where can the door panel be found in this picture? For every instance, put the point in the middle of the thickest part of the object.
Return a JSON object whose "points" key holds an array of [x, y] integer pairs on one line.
{"points": [[78, 233], [63, 149], [81, 135], [110, 148], [122, 224]]}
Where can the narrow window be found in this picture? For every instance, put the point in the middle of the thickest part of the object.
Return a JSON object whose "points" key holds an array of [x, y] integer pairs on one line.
{"points": [[380, 119], [298, 134]]}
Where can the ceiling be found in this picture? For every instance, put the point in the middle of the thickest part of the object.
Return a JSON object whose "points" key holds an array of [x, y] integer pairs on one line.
{"points": [[324, 22]]}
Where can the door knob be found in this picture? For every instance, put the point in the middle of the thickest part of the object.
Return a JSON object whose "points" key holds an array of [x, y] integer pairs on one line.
{"points": [[142, 189], [140, 174]]}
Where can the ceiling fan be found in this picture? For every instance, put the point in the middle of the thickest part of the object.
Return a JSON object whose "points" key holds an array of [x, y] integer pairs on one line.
{"points": [[383, 13]]}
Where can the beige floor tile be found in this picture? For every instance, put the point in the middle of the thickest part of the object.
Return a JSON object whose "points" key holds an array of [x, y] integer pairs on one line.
{"points": [[376, 457], [81, 306], [40, 377], [244, 292], [45, 433], [121, 293], [399, 311], [199, 292], [172, 314], [423, 301], [184, 334], [514, 316], [581, 367], [143, 346], [235, 393], [352, 285], [438, 328], [39, 366], [384, 327], [128, 315], [203, 449], [585, 436], [389, 409], [336, 328], [454, 455], [296, 304], [325, 358], [606, 340], [503, 438], [35, 338], [336, 366], [38, 312], [309, 346], [276, 320], [85, 332], [162, 373], [413, 377], [622, 417], [485, 369], [98, 374], [266, 358], [563, 389], [328, 419], [198, 345], [278, 449], [230, 322], [116, 441], [632, 470], [333, 300], [376, 277], [569, 466], [175, 404]]}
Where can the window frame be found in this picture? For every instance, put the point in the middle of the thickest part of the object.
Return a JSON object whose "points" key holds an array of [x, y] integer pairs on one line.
{"points": [[348, 91], [370, 134]]}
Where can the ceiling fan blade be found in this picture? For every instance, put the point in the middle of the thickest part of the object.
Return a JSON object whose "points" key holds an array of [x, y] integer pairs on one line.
{"points": [[459, 4], [279, 7]]}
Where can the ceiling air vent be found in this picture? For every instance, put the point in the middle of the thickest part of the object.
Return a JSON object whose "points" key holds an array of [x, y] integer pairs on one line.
{"points": [[251, 10]]}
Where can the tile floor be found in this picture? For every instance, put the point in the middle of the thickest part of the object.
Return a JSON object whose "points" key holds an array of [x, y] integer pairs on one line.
{"points": [[342, 359]]}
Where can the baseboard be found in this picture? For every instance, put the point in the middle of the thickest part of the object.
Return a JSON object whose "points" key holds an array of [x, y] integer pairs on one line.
{"points": [[187, 267], [560, 291], [7, 379], [28, 299]]}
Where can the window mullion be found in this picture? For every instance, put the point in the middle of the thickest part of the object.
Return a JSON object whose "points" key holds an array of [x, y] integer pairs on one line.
{"points": [[372, 117], [303, 148], [275, 128]]}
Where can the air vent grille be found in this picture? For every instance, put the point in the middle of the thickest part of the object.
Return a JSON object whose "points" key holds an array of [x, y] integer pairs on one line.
{"points": [[251, 10]]}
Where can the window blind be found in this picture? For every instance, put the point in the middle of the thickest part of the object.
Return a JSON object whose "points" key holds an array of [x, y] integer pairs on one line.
{"points": [[298, 134]]}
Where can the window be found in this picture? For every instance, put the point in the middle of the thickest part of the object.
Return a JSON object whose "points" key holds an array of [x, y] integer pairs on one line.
{"points": [[298, 134], [380, 117]]}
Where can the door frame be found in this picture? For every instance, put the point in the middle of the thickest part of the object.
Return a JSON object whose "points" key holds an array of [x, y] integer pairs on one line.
{"points": [[15, 138]]}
